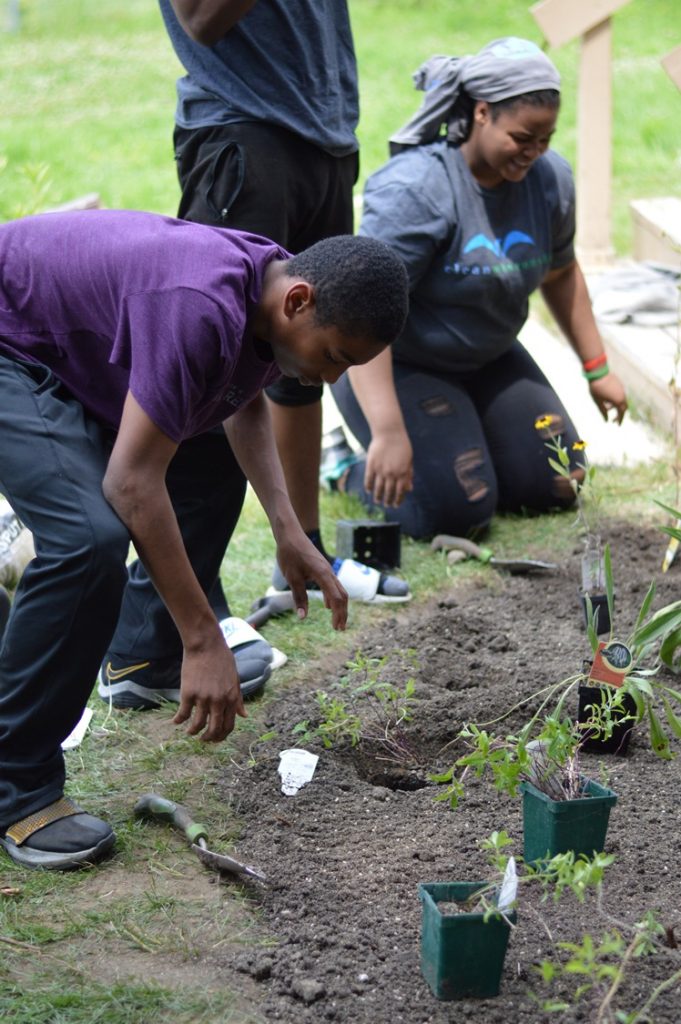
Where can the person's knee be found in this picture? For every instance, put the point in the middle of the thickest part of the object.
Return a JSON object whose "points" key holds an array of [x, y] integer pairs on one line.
{"points": [[468, 468], [564, 490], [106, 549], [461, 504]]}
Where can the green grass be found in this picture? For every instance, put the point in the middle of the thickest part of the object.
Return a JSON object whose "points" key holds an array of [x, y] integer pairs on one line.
{"points": [[88, 90]]}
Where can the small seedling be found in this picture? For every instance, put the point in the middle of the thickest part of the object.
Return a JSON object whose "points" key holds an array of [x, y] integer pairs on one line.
{"points": [[364, 708]]}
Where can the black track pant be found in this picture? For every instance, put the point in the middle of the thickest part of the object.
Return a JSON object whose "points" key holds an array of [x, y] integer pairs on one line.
{"points": [[476, 448]]}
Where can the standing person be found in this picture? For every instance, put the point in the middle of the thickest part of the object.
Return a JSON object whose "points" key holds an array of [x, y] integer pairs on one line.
{"points": [[455, 418], [265, 141], [125, 338]]}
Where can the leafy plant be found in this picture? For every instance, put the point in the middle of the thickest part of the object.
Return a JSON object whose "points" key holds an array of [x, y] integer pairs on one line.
{"points": [[602, 964], [365, 708], [587, 499], [549, 760], [554, 876], [654, 642]]}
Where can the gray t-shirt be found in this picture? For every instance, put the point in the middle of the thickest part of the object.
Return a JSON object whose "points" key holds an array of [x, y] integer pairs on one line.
{"points": [[289, 63], [474, 255]]}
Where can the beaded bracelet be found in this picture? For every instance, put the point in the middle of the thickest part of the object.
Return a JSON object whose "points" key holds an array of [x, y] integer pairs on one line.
{"points": [[593, 364], [592, 375]]}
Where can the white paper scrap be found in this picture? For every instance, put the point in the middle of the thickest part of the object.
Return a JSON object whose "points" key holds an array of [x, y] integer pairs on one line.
{"points": [[509, 887], [75, 737], [296, 767]]}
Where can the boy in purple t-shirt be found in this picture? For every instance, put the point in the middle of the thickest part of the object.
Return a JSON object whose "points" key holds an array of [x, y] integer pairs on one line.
{"points": [[126, 339]]}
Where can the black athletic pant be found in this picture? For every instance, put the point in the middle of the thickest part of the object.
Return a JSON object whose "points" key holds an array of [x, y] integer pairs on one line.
{"points": [[476, 448]]}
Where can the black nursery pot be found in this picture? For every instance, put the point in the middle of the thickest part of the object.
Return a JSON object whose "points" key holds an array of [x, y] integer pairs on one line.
{"points": [[599, 603], [618, 743]]}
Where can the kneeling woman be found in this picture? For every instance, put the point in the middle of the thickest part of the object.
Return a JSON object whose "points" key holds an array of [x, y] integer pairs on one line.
{"points": [[455, 418]]}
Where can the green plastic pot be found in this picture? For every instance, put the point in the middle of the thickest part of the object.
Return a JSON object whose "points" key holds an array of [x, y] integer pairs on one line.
{"points": [[462, 955], [558, 826]]}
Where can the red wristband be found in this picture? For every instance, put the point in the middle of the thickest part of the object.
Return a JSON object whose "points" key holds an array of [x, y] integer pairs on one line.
{"points": [[593, 364]]}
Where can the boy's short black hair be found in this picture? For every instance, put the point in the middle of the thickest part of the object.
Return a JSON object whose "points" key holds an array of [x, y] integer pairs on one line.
{"points": [[361, 286]]}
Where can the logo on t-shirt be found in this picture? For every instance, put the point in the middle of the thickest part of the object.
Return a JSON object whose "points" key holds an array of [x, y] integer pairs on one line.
{"points": [[500, 248]]}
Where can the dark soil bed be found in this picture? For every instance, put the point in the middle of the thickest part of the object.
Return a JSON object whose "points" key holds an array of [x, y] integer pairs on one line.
{"points": [[345, 855]]}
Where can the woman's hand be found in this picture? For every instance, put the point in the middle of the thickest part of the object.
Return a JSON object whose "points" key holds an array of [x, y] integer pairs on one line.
{"points": [[389, 471], [608, 393]]}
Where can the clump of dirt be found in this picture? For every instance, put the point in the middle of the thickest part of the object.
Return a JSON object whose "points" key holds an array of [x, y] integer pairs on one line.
{"points": [[346, 854]]}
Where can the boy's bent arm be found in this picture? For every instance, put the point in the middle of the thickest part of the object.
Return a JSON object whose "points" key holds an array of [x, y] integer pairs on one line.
{"points": [[134, 485], [249, 432]]}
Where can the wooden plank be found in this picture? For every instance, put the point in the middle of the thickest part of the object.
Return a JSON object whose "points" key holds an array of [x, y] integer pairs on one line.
{"points": [[657, 229], [672, 65], [563, 20], [594, 155]]}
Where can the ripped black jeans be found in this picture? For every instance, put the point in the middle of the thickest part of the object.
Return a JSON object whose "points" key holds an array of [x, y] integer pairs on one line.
{"points": [[476, 448]]}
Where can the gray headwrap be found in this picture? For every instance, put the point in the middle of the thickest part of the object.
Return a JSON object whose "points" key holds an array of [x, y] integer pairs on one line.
{"points": [[504, 68]]}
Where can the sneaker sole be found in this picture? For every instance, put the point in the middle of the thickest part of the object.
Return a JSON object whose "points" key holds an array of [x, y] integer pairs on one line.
{"points": [[318, 595], [49, 860], [131, 696]]}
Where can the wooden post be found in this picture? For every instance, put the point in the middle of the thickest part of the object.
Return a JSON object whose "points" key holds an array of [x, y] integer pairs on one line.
{"points": [[594, 147], [672, 65], [561, 21]]}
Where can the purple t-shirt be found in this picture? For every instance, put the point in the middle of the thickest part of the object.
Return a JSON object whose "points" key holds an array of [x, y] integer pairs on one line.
{"points": [[115, 300]]}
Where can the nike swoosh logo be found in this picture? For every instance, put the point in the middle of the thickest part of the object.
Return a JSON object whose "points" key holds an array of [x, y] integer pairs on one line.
{"points": [[113, 674]]}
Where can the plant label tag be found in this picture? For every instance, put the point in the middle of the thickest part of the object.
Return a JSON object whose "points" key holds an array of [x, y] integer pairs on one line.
{"points": [[509, 888], [612, 663]]}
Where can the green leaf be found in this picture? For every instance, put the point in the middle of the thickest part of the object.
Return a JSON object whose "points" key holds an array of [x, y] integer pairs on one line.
{"points": [[676, 694], [661, 623], [609, 585], [630, 687], [559, 468], [675, 513], [673, 720], [645, 607], [643, 685], [670, 650], [591, 633], [658, 740]]}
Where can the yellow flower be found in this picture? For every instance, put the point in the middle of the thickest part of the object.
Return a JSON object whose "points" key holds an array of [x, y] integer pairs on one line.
{"points": [[542, 422], [579, 446]]}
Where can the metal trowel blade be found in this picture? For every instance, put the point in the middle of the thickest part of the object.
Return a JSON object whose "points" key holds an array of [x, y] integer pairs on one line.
{"points": [[223, 862], [521, 565]]}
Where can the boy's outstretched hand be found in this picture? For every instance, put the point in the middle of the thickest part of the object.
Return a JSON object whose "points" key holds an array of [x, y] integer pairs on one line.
{"points": [[210, 694], [301, 563]]}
